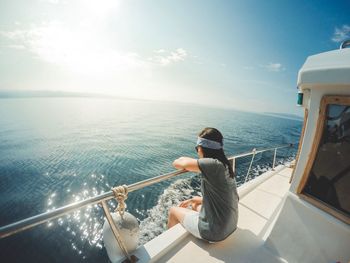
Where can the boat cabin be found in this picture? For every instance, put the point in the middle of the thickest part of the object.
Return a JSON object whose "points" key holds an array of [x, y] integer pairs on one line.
{"points": [[313, 225]]}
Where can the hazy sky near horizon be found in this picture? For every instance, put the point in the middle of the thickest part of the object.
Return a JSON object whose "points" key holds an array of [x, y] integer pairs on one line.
{"points": [[239, 54]]}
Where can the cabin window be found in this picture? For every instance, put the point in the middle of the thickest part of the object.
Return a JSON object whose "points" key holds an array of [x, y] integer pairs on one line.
{"points": [[328, 180]]}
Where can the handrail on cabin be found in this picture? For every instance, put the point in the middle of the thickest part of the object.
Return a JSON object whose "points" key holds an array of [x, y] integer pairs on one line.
{"points": [[30, 222]]}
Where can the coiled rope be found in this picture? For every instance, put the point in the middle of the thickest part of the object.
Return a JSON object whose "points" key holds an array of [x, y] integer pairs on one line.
{"points": [[121, 194]]}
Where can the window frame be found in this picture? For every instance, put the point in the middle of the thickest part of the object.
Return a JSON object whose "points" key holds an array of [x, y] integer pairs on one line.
{"points": [[325, 101], [306, 115]]}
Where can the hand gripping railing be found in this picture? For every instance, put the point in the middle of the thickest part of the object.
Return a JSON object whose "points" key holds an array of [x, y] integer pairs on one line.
{"points": [[30, 222]]}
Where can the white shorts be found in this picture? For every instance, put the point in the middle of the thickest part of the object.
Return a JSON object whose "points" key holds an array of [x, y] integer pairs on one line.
{"points": [[190, 223]]}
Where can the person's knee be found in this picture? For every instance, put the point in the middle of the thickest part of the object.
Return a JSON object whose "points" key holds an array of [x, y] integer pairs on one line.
{"points": [[172, 218], [171, 211], [177, 213]]}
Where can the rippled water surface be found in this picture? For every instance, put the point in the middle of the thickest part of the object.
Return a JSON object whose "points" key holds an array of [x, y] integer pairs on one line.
{"points": [[54, 151]]}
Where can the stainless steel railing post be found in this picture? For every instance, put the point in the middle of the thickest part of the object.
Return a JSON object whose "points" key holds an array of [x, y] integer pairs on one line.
{"points": [[274, 159], [250, 165]]}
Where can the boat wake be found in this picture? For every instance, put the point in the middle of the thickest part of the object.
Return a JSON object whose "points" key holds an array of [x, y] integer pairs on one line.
{"points": [[155, 223]]}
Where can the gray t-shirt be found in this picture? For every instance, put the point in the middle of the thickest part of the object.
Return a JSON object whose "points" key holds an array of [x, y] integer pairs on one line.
{"points": [[219, 213]]}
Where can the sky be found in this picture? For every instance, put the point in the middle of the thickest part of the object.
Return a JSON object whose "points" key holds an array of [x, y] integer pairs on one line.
{"points": [[232, 54]]}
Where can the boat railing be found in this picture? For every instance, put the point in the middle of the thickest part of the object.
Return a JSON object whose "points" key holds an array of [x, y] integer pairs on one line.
{"points": [[101, 199]]}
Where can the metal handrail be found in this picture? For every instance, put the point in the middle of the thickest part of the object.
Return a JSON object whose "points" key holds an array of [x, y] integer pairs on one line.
{"points": [[30, 222]]}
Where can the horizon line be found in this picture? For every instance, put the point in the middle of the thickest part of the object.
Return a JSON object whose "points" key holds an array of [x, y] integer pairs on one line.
{"points": [[15, 94]]}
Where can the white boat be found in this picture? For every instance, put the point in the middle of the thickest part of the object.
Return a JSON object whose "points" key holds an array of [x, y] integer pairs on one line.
{"points": [[298, 213], [289, 214]]}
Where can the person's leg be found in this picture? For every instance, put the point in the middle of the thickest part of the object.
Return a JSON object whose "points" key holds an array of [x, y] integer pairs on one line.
{"points": [[190, 223], [176, 215]]}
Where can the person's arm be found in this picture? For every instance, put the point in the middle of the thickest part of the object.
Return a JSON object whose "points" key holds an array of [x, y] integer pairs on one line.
{"points": [[187, 163], [196, 200]]}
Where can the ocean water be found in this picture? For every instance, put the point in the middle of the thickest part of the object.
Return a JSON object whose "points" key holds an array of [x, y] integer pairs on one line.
{"points": [[54, 151]]}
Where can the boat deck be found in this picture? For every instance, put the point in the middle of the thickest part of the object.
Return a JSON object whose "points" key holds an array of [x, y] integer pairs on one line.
{"points": [[258, 208]]}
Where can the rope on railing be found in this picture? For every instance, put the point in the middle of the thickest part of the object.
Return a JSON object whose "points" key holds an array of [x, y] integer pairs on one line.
{"points": [[115, 230], [121, 194]]}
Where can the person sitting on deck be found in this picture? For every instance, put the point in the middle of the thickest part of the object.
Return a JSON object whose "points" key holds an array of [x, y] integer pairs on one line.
{"points": [[212, 217]]}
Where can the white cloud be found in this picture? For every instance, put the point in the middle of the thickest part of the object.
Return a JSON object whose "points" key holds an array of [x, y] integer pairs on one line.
{"points": [[13, 35], [274, 67], [55, 2], [77, 51], [99, 8], [170, 57], [19, 47], [82, 52], [341, 34], [159, 51], [248, 67]]}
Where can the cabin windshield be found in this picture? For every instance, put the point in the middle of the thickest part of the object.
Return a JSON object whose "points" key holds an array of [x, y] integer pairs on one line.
{"points": [[329, 178]]}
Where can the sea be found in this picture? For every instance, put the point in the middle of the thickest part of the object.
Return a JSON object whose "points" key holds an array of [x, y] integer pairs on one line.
{"points": [[55, 151]]}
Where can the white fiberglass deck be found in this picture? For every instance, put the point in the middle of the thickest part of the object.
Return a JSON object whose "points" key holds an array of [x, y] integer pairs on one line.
{"points": [[260, 202]]}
